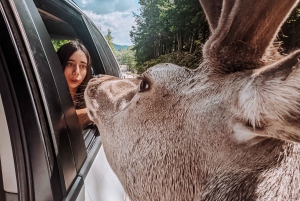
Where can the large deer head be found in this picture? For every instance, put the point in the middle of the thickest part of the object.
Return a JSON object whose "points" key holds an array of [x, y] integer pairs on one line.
{"points": [[226, 131]]}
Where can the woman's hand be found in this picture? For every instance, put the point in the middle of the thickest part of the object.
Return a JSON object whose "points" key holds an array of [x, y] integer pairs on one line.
{"points": [[83, 117]]}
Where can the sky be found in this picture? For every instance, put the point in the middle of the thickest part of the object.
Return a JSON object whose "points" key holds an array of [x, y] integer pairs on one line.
{"points": [[115, 15]]}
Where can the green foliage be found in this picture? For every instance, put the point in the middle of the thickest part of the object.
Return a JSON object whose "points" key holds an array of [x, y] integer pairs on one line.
{"points": [[289, 34], [174, 30], [57, 43], [110, 39], [119, 47], [184, 59], [166, 26], [126, 57]]}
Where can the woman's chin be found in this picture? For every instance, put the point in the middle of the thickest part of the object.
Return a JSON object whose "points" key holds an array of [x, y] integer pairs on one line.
{"points": [[74, 85]]}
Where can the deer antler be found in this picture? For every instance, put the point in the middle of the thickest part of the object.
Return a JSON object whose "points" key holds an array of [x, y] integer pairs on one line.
{"points": [[245, 29]]}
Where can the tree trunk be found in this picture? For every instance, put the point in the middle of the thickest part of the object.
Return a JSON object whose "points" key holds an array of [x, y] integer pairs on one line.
{"points": [[205, 30], [179, 42], [192, 44], [175, 43]]}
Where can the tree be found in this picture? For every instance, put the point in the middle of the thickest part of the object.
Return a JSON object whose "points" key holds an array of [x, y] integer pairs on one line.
{"points": [[289, 34], [57, 43], [168, 26], [165, 26], [126, 57], [109, 39]]}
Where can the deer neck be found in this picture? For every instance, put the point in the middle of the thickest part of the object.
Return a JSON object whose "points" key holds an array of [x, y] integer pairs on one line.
{"points": [[282, 181], [279, 181]]}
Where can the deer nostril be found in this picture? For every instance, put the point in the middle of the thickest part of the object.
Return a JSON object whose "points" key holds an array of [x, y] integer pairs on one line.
{"points": [[91, 91]]}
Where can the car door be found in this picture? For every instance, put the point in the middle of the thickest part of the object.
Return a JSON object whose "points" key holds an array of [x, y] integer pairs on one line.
{"points": [[53, 159], [44, 114], [22, 120]]}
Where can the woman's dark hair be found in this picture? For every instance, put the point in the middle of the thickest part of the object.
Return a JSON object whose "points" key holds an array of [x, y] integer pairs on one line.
{"points": [[64, 53]]}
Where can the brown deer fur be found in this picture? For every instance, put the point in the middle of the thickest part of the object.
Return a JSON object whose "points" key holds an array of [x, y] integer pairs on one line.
{"points": [[226, 131]]}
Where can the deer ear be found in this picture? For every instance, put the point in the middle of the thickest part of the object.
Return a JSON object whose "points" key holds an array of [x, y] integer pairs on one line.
{"points": [[245, 134], [269, 103]]}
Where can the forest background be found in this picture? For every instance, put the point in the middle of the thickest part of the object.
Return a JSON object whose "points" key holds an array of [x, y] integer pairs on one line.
{"points": [[174, 31]]}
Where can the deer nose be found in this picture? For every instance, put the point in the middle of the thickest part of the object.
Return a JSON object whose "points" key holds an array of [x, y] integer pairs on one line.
{"points": [[91, 91], [97, 76], [93, 80]]}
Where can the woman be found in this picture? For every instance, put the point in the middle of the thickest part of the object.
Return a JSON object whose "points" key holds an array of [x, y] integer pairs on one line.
{"points": [[76, 62]]}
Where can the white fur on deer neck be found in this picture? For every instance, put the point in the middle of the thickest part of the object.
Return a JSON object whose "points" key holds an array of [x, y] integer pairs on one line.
{"points": [[274, 185], [226, 131]]}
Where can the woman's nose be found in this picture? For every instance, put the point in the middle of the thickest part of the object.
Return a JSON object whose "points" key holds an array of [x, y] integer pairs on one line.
{"points": [[76, 70]]}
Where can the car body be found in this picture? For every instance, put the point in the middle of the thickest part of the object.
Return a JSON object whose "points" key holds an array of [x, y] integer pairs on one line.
{"points": [[44, 153]]}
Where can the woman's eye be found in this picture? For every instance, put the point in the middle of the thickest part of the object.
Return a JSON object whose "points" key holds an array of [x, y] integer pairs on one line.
{"points": [[82, 66], [143, 86], [69, 64]]}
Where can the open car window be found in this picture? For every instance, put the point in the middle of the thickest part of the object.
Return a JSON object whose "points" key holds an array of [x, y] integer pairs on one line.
{"points": [[60, 33]]}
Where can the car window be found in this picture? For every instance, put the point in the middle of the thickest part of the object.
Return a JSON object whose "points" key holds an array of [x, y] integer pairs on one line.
{"points": [[108, 59], [57, 43], [58, 38], [62, 29]]}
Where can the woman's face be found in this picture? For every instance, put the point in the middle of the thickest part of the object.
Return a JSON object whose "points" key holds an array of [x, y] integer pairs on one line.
{"points": [[75, 70]]}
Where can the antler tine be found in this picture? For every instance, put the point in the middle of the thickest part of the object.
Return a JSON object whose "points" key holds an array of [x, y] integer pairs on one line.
{"points": [[245, 30], [212, 11]]}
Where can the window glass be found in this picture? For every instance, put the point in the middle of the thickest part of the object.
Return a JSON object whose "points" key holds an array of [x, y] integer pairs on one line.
{"points": [[108, 59], [6, 155], [59, 37]]}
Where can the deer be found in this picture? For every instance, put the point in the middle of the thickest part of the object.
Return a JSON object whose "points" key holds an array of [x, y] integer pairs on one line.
{"points": [[228, 130]]}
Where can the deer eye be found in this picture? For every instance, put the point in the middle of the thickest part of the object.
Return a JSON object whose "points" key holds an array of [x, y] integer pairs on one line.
{"points": [[143, 86]]}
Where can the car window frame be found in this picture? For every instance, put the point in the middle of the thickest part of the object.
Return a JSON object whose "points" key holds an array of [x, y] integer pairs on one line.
{"points": [[13, 117], [18, 101], [69, 149]]}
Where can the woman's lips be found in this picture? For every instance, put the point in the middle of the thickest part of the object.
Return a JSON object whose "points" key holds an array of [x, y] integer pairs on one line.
{"points": [[74, 80]]}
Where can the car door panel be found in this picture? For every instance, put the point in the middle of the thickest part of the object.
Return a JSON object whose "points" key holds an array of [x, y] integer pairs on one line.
{"points": [[101, 176]]}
